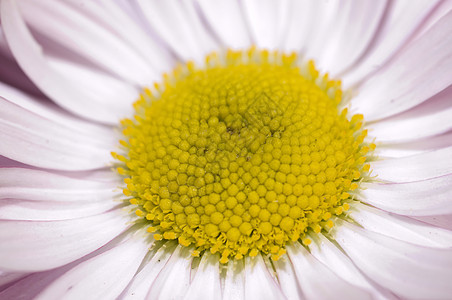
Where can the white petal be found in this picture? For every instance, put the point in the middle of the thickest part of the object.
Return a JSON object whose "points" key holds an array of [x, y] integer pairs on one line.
{"points": [[37, 246], [33, 284], [417, 167], [234, 283], [330, 255], [174, 279], [141, 283], [321, 16], [57, 86], [37, 185], [107, 91], [397, 88], [14, 209], [387, 150], [302, 14], [408, 270], [419, 198], [399, 227], [132, 34], [180, 27], [34, 140], [349, 38], [56, 114], [432, 117], [406, 16], [227, 20], [288, 279], [206, 284], [106, 176], [57, 20], [267, 21], [103, 276], [259, 284], [317, 281]]}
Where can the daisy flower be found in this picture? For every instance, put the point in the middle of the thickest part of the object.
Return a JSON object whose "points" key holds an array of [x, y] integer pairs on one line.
{"points": [[225, 149]]}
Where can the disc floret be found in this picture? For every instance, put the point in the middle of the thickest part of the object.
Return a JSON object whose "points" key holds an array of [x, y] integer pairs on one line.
{"points": [[243, 155]]}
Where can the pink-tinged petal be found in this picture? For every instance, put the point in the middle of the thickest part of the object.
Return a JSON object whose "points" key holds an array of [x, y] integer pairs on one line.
{"points": [[440, 10], [30, 286], [178, 24], [34, 140], [443, 221], [8, 278], [345, 43], [400, 227], [430, 118], [46, 74], [394, 150], [174, 279], [34, 283], [50, 111], [288, 279], [37, 185], [103, 276], [413, 168], [206, 284], [58, 20], [259, 283], [4, 50], [38, 245], [9, 163], [397, 88], [11, 73], [142, 281], [267, 21], [420, 198], [409, 270], [405, 15], [234, 283], [330, 255], [317, 281], [227, 20], [16, 209]]}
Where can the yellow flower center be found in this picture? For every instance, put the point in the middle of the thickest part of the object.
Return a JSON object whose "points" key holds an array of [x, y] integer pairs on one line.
{"points": [[242, 156]]}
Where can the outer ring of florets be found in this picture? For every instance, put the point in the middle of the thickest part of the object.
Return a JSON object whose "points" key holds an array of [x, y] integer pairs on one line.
{"points": [[243, 155]]}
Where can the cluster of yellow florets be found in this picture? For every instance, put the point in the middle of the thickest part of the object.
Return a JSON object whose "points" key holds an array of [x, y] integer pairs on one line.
{"points": [[242, 156]]}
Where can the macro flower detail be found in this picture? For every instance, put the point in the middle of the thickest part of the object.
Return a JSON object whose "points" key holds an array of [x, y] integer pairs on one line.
{"points": [[243, 156], [238, 149]]}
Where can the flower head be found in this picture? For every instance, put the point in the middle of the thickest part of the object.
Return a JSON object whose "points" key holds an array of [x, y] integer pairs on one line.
{"points": [[200, 149]]}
